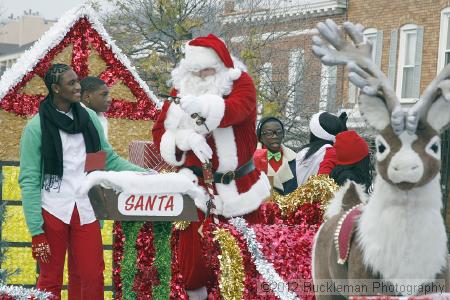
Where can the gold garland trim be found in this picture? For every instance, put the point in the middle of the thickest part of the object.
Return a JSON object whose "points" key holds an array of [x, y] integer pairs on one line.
{"points": [[318, 188], [232, 275]]}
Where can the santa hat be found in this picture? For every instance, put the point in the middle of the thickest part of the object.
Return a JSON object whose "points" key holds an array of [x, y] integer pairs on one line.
{"points": [[208, 52], [325, 125], [350, 148]]}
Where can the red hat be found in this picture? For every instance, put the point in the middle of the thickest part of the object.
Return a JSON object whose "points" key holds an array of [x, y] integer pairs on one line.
{"points": [[213, 42], [350, 148]]}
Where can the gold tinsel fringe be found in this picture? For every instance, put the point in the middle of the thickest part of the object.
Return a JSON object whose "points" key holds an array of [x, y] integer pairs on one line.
{"points": [[232, 275], [181, 225], [318, 188]]}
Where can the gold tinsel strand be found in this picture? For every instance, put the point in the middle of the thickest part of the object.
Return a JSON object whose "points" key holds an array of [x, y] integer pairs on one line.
{"points": [[10, 185], [232, 275], [35, 86], [96, 64], [12, 126], [122, 132], [121, 92], [318, 188], [181, 225], [64, 57]]}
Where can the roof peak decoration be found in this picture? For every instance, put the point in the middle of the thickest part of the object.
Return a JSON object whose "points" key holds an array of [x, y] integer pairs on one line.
{"points": [[80, 40]]}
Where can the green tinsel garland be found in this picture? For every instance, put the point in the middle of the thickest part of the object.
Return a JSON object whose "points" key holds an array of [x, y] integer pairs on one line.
{"points": [[128, 266], [163, 257]]}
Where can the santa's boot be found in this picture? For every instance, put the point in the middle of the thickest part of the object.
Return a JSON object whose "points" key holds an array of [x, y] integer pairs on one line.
{"points": [[198, 294]]}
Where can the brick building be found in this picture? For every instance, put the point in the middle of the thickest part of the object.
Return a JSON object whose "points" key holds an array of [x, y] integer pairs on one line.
{"points": [[411, 42], [289, 72]]}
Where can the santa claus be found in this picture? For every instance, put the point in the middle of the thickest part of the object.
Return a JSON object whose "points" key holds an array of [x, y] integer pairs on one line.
{"points": [[211, 86]]}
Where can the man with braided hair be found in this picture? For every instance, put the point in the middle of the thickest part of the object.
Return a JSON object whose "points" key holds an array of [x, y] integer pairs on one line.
{"points": [[53, 151]]}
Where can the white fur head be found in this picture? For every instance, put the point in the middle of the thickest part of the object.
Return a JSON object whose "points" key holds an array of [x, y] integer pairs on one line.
{"points": [[406, 160]]}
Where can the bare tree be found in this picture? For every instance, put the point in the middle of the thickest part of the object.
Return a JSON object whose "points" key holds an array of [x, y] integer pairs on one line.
{"points": [[287, 76]]}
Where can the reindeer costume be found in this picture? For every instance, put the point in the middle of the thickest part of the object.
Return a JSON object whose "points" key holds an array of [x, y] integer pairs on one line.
{"points": [[398, 234]]}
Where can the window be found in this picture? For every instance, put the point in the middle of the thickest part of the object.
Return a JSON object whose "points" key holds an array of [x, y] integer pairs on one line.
{"points": [[266, 79], [444, 40], [376, 38], [327, 88], [295, 75], [409, 63], [295, 72]]}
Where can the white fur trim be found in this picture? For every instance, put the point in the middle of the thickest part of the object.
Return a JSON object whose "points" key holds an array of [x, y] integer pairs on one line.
{"points": [[335, 206], [167, 148], [198, 58], [438, 115], [235, 204], [374, 111], [174, 117], [141, 182], [234, 73], [402, 233], [317, 130], [214, 112], [246, 202]]}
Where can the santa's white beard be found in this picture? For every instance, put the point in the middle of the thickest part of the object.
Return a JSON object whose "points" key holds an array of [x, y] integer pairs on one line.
{"points": [[194, 85], [187, 83]]}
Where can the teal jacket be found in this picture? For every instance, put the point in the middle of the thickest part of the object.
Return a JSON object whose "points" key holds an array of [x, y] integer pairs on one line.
{"points": [[31, 169]]}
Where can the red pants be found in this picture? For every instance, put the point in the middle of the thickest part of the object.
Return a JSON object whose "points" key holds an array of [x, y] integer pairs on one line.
{"points": [[85, 263], [192, 264]]}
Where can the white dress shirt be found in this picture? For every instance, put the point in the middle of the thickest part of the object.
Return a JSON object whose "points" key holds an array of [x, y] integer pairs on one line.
{"points": [[60, 203]]}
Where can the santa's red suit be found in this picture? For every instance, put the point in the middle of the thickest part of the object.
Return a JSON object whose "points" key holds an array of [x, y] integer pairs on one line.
{"points": [[227, 102]]}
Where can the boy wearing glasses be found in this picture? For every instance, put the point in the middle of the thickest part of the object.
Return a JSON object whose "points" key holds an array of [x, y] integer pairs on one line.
{"points": [[273, 158]]}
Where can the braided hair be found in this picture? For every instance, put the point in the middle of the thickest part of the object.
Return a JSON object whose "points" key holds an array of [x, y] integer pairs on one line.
{"points": [[54, 74]]}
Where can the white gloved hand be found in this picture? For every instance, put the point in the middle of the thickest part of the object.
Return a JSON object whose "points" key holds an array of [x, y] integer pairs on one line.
{"points": [[200, 147], [193, 105]]}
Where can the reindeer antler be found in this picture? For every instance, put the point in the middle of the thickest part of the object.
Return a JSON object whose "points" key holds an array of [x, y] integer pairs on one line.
{"points": [[356, 55], [439, 87]]}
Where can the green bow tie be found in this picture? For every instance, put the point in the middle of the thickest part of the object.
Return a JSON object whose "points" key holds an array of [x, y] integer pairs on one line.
{"points": [[276, 156]]}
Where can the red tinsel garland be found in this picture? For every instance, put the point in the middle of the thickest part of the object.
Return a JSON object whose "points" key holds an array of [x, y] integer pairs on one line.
{"points": [[119, 239], [177, 288], [81, 35], [146, 276]]}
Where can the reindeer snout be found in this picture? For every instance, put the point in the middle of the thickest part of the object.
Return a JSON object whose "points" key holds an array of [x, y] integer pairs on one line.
{"points": [[404, 170]]}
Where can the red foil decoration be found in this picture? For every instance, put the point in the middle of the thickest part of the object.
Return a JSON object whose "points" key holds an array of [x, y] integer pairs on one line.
{"points": [[81, 35], [118, 242], [177, 287], [146, 276]]}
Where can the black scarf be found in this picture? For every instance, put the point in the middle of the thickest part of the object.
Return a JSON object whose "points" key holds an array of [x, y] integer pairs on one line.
{"points": [[51, 148]]}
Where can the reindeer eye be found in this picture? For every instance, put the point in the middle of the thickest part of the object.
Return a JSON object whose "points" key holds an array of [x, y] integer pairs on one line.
{"points": [[434, 147], [383, 148]]}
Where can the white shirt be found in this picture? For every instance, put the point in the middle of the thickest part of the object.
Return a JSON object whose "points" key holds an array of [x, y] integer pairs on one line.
{"points": [[60, 203], [308, 167]]}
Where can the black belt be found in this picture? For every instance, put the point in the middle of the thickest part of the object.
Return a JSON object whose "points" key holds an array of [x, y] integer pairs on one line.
{"points": [[226, 178]]}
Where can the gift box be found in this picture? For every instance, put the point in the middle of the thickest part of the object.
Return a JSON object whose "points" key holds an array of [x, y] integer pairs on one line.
{"points": [[145, 154]]}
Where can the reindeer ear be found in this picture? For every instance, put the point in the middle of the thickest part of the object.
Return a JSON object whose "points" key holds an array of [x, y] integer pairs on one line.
{"points": [[438, 115], [374, 111]]}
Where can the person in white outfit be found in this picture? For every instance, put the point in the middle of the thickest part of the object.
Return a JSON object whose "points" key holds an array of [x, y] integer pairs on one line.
{"points": [[319, 156]]}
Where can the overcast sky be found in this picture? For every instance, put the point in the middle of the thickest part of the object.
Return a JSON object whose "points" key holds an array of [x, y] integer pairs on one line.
{"points": [[50, 9]]}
